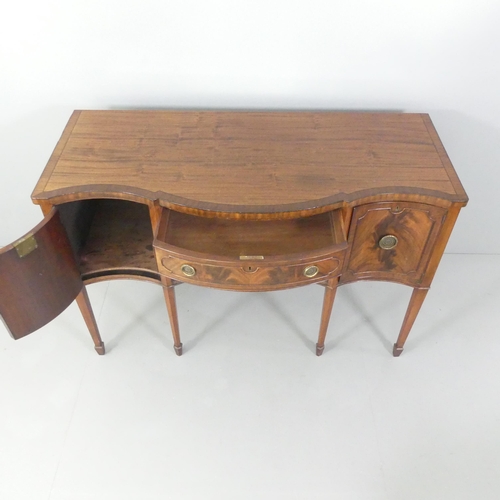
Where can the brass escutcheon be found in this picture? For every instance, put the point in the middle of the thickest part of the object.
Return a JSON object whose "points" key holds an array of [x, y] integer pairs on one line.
{"points": [[311, 271], [188, 270], [250, 269], [388, 242]]}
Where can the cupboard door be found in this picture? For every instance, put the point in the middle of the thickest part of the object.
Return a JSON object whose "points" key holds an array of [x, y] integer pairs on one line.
{"points": [[39, 277], [392, 241]]}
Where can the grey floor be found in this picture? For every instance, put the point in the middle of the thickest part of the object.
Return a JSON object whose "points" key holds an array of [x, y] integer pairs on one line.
{"points": [[249, 412]]}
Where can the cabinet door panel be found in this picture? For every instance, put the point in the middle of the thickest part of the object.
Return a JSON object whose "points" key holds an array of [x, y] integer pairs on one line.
{"points": [[39, 277], [392, 241]]}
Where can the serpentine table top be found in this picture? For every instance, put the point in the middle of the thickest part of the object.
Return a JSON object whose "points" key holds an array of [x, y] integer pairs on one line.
{"points": [[250, 164]]}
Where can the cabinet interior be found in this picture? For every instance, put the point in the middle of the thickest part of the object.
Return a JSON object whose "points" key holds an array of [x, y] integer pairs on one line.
{"points": [[115, 237], [110, 237]]}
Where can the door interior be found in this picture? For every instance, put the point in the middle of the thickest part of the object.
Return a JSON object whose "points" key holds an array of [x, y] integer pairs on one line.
{"points": [[39, 277]]}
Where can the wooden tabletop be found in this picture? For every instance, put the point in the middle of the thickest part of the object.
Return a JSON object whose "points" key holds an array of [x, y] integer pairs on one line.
{"points": [[249, 162]]}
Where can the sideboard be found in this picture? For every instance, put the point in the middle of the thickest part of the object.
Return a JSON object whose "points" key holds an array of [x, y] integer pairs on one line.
{"points": [[244, 201]]}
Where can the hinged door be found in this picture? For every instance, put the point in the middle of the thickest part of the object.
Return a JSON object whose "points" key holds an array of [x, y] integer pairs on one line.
{"points": [[392, 241], [39, 277]]}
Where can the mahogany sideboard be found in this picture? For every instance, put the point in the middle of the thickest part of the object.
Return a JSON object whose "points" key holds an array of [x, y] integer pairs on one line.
{"points": [[247, 201]]}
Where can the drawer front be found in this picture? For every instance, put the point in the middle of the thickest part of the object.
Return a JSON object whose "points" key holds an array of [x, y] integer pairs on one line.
{"points": [[392, 241], [248, 276]]}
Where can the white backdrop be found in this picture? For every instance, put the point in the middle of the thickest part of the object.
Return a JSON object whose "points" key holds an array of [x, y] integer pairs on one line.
{"points": [[440, 57]]}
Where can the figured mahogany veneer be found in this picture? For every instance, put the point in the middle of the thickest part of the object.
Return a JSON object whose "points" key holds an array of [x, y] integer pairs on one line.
{"points": [[247, 201], [250, 255], [415, 227]]}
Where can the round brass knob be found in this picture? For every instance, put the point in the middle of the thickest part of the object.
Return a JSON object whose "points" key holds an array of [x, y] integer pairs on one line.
{"points": [[311, 271], [188, 270], [388, 242]]}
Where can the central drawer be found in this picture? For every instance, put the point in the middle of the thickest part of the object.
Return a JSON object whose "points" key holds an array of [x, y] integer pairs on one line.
{"points": [[250, 255]]}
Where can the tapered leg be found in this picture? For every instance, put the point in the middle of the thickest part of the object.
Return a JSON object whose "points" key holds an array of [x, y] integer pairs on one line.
{"points": [[169, 292], [330, 291], [88, 315], [416, 301]]}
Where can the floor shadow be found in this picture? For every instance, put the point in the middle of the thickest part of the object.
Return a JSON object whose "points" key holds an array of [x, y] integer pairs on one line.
{"points": [[223, 315], [285, 317]]}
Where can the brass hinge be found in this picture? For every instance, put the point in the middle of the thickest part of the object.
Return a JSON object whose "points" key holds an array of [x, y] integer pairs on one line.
{"points": [[25, 245]]}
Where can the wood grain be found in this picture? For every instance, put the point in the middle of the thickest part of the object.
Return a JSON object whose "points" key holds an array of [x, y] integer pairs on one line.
{"points": [[239, 163], [250, 255], [119, 242], [250, 276], [248, 199], [416, 226], [85, 307], [233, 238], [38, 286]]}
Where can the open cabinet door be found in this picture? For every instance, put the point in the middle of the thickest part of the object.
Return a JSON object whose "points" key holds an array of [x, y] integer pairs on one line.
{"points": [[39, 277]]}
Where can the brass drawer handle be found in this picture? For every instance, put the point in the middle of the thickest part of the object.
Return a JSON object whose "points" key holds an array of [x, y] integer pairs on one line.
{"points": [[311, 271], [188, 270], [388, 242]]}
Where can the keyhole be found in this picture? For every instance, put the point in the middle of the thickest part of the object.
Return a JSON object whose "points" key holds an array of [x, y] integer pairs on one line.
{"points": [[250, 269]]}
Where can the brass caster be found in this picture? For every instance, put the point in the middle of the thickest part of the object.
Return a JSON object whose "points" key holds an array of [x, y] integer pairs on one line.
{"points": [[178, 350], [100, 349], [319, 349], [396, 351]]}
